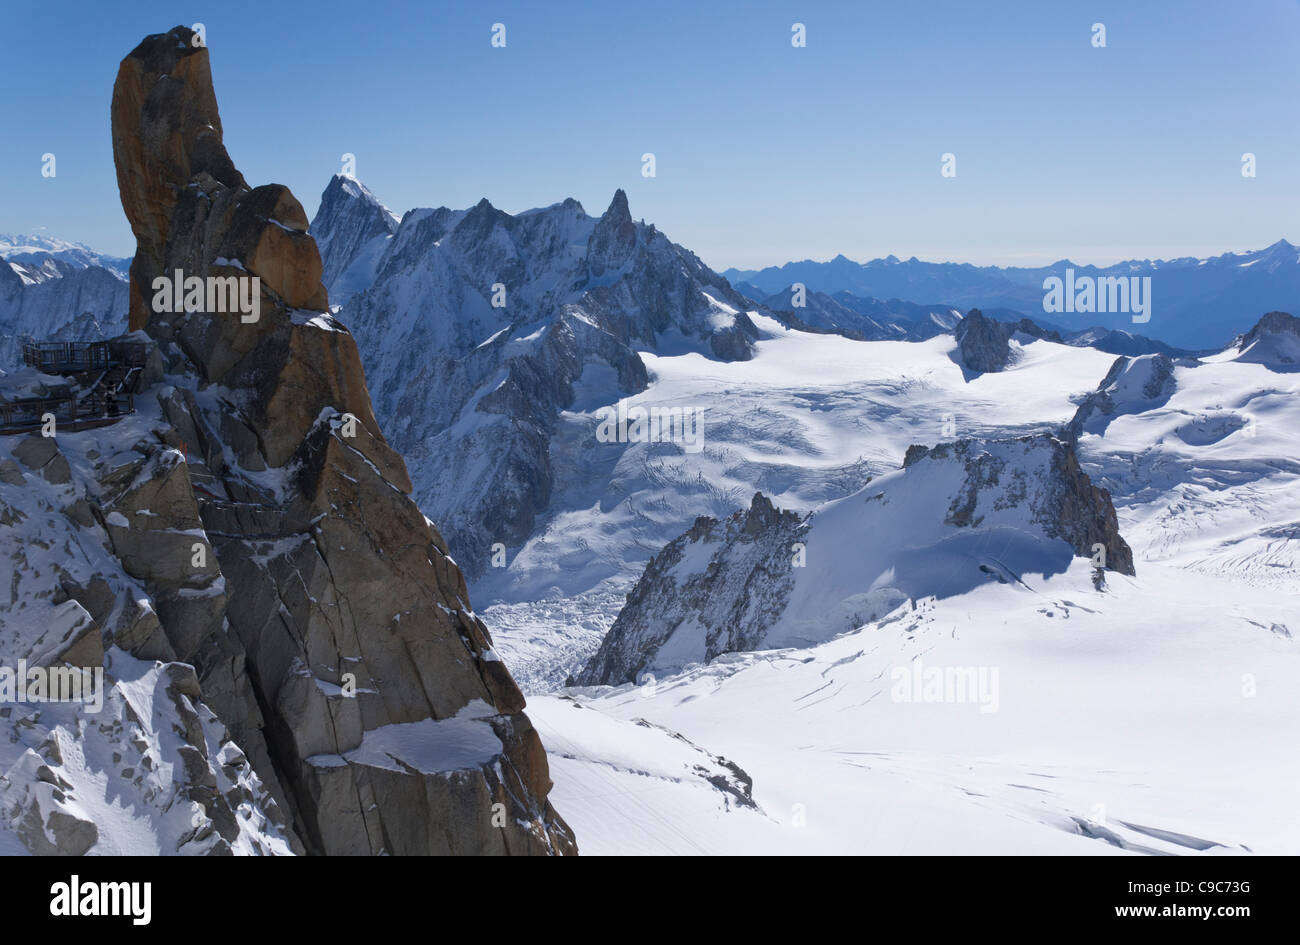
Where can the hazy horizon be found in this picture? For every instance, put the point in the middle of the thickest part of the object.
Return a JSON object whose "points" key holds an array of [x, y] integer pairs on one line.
{"points": [[1030, 261]]}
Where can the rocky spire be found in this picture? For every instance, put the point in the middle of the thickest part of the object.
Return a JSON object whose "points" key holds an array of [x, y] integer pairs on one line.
{"points": [[390, 723], [614, 238], [166, 133]]}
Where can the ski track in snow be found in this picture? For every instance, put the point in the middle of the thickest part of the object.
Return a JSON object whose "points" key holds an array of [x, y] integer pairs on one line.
{"points": [[1150, 718]]}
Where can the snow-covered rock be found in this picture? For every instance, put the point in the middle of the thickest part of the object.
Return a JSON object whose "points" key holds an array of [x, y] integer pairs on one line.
{"points": [[352, 230], [957, 515], [481, 327], [152, 769], [1274, 342]]}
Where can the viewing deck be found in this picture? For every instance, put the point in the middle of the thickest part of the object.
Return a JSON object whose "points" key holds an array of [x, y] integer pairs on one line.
{"points": [[95, 402], [75, 357]]}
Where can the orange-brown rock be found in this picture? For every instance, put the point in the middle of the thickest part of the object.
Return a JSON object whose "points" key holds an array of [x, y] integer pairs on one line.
{"points": [[340, 595]]}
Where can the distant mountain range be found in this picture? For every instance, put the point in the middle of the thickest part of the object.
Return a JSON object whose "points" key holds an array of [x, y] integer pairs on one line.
{"points": [[1196, 303], [872, 319], [54, 290], [35, 251]]}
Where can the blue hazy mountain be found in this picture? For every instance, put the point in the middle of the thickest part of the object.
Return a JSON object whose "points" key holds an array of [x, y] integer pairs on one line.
{"points": [[1195, 303]]}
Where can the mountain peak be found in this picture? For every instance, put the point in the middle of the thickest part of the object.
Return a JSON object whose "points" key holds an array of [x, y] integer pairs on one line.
{"points": [[618, 210], [613, 239], [350, 223], [345, 185], [1272, 323]]}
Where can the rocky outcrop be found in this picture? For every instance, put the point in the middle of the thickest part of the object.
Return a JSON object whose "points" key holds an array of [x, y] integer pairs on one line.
{"points": [[1274, 341], [719, 586], [957, 515], [1062, 501], [984, 344], [1132, 385], [260, 527], [1270, 323]]}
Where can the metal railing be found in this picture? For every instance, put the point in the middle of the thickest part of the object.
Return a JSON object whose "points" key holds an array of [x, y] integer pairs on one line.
{"points": [[69, 357], [30, 413]]}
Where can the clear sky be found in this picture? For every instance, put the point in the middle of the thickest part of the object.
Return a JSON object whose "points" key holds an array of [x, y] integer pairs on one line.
{"points": [[765, 152]]}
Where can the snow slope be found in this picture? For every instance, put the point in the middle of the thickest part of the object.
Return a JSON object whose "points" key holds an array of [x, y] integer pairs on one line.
{"points": [[155, 771], [1204, 470], [807, 420], [1154, 715], [957, 516], [1119, 725]]}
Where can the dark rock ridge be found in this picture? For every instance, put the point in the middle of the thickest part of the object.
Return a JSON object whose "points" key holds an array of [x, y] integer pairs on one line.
{"points": [[757, 543], [1270, 323], [1274, 341], [857, 318], [1131, 385], [957, 515], [330, 628], [985, 343]]}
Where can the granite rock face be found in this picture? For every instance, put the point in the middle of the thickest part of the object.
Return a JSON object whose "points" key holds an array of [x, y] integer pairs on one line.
{"points": [[984, 343], [757, 543], [327, 619]]}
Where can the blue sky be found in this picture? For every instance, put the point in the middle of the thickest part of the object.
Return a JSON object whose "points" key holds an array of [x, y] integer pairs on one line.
{"points": [[765, 152]]}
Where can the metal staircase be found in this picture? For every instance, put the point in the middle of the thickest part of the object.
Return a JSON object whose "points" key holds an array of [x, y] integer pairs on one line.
{"points": [[104, 377]]}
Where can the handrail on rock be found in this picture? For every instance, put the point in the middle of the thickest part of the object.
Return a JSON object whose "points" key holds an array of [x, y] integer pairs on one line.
{"points": [[70, 357]]}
